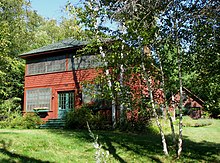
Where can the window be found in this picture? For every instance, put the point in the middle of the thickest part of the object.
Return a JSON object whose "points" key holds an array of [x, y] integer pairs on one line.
{"points": [[66, 100], [38, 98], [91, 93], [83, 62], [46, 65]]}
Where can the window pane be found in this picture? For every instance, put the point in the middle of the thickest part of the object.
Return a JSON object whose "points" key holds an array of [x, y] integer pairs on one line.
{"points": [[88, 92], [83, 62], [38, 98], [66, 100], [46, 65]]}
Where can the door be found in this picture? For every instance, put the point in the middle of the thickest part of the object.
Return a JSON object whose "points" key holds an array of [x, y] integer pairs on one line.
{"points": [[65, 103]]}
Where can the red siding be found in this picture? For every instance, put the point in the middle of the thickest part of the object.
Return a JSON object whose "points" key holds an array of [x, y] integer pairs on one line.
{"points": [[60, 78], [189, 101], [59, 81]]}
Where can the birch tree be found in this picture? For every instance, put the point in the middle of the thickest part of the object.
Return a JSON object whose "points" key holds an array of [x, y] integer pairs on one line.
{"points": [[169, 28], [148, 81], [92, 18]]}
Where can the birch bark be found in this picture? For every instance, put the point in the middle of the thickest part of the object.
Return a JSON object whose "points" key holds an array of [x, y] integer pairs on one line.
{"points": [[166, 102], [103, 55], [180, 139], [146, 76], [121, 80]]}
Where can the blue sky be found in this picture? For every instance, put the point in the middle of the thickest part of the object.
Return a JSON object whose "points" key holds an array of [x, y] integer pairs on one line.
{"points": [[51, 9]]}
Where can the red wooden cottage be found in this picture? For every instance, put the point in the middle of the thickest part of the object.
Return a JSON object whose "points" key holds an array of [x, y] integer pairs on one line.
{"points": [[52, 78], [192, 104], [54, 75]]}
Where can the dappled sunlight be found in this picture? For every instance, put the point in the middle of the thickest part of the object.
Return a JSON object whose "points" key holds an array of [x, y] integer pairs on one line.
{"points": [[147, 146], [77, 145]]}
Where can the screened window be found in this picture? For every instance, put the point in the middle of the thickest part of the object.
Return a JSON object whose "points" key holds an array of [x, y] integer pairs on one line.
{"points": [[90, 93], [46, 65], [83, 62], [38, 98], [97, 101]]}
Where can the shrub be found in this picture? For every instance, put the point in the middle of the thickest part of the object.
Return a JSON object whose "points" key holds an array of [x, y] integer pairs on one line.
{"points": [[32, 121], [137, 123], [153, 129], [78, 119], [16, 120], [99, 122], [205, 115]]}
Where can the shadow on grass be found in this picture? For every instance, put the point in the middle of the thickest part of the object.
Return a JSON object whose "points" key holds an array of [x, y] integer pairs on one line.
{"points": [[5, 133], [201, 151], [112, 150], [12, 156], [147, 145], [142, 145]]}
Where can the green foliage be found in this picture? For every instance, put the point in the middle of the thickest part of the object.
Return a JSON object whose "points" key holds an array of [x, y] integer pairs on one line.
{"points": [[213, 106], [10, 105], [78, 119], [16, 120], [12, 42], [137, 123], [11, 85], [21, 30], [204, 52], [206, 114]]}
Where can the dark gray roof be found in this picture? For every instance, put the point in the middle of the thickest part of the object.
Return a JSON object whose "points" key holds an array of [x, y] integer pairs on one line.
{"points": [[67, 43]]}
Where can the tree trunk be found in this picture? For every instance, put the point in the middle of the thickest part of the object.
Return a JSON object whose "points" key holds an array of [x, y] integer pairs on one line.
{"points": [[166, 101], [174, 108], [121, 80], [165, 150], [177, 43], [180, 141], [96, 24], [110, 88], [122, 114]]}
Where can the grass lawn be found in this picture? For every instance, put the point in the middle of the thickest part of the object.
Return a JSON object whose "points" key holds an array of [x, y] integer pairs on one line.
{"points": [[201, 144]]}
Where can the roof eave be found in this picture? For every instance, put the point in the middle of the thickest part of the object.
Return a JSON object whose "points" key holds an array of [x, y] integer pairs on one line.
{"points": [[48, 52]]}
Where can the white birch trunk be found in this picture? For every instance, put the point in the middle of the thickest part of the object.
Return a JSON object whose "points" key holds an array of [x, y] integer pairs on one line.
{"points": [[180, 140], [154, 110], [176, 26], [121, 102], [110, 87], [174, 108], [166, 102], [121, 80], [96, 24]]}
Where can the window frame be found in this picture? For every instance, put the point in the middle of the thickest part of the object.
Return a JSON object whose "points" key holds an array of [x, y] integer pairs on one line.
{"points": [[46, 65], [80, 62], [35, 97]]}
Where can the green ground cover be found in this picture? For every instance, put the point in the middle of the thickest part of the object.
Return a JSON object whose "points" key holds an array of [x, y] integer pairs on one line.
{"points": [[201, 144]]}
